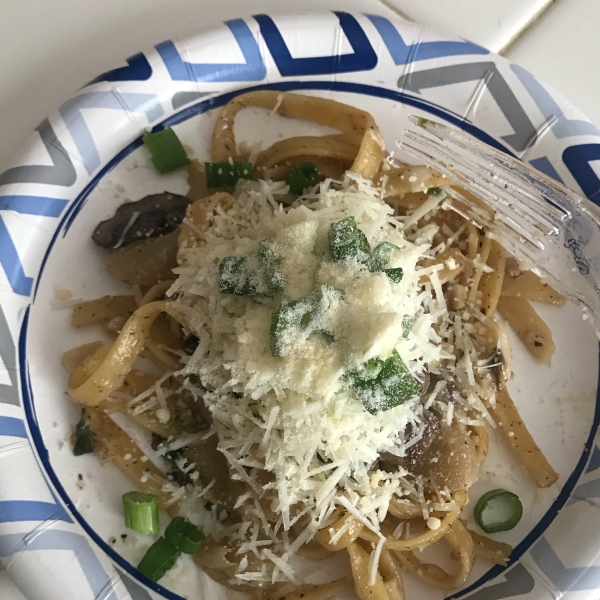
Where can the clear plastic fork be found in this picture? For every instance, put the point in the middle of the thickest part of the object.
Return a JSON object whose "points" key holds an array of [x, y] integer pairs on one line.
{"points": [[541, 222]]}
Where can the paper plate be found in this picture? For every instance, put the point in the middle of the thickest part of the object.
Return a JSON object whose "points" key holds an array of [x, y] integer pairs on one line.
{"points": [[60, 519]]}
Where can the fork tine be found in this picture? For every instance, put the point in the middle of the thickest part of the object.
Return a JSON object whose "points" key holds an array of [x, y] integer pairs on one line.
{"points": [[512, 236], [481, 163], [492, 195], [556, 193], [505, 192], [534, 217]]}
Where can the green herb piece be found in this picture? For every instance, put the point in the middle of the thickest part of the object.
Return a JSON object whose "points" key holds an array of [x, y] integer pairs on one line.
{"points": [[266, 253], [347, 241], [185, 536], [83, 437], [270, 281], [394, 275], [406, 327], [498, 510], [159, 558], [303, 314], [166, 150], [226, 174], [380, 256], [233, 278], [257, 276], [382, 384], [290, 315], [141, 512], [301, 177]]}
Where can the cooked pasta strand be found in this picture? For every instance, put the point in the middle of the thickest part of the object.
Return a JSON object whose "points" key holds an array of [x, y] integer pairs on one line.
{"points": [[327, 146], [156, 291], [113, 363], [429, 537], [359, 563], [102, 309], [352, 528], [528, 286], [529, 326], [357, 125], [520, 441], [485, 246], [489, 549], [71, 359], [490, 285], [112, 444], [462, 544]]}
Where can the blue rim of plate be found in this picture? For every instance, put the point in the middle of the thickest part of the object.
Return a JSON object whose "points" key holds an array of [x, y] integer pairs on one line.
{"points": [[576, 159]]}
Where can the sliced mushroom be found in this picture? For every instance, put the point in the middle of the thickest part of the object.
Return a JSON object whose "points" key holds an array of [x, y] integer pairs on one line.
{"points": [[190, 344], [146, 262], [451, 459], [415, 453], [152, 216], [212, 465]]}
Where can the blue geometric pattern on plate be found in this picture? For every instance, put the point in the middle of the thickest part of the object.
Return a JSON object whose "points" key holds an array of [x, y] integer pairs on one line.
{"points": [[49, 183], [138, 69], [404, 54], [253, 69], [363, 57]]}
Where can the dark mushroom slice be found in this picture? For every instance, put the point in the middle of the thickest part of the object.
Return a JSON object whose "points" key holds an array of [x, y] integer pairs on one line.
{"points": [[152, 216], [415, 453], [190, 344]]}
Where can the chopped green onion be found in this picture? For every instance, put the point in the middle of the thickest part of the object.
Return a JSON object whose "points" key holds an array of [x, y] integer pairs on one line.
{"points": [[498, 510], [380, 256], [226, 174], [83, 437], [382, 384], [268, 273], [289, 315], [406, 327], [301, 177], [185, 536], [232, 276], [302, 315], [347, 241], [159, 558], [394, 275], [256, 276], [166, 150], [141, 512]]}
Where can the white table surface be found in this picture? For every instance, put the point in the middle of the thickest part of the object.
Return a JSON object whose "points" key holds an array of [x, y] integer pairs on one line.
{"points": [[50, 48]]}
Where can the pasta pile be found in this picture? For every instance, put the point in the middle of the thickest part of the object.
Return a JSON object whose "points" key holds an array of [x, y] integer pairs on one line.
{"points": [[463, 270]]}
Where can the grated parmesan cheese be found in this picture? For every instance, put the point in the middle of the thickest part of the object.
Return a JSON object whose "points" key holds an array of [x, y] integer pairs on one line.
{"points": [[289, 426]]}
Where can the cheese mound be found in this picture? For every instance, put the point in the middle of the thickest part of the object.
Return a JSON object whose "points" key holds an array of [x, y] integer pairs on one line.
{"points": [[289, 425]]}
